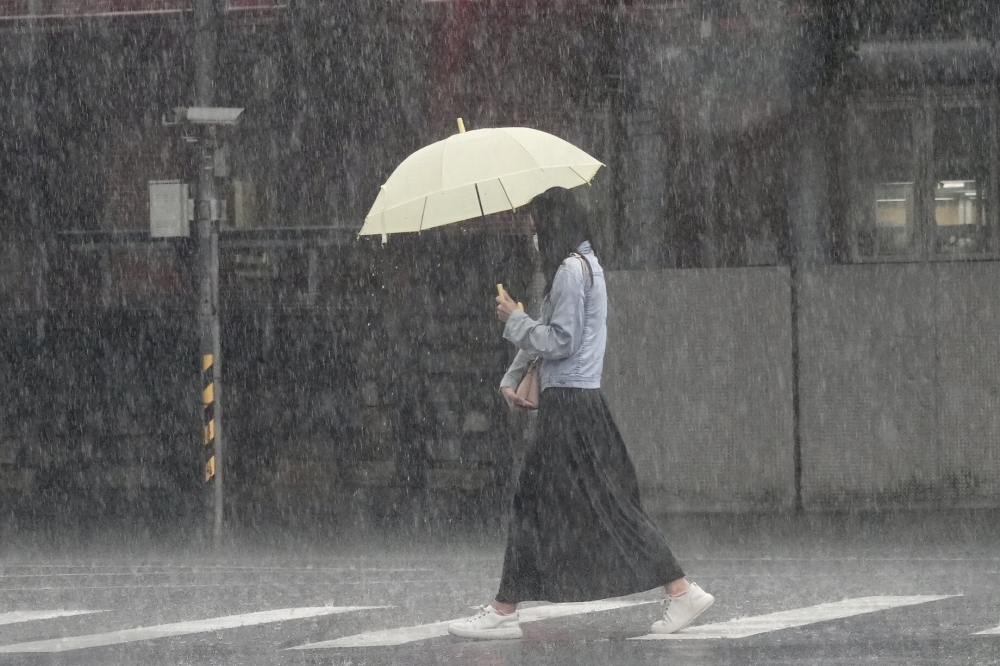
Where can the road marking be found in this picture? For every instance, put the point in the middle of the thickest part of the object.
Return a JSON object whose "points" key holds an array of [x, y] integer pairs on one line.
{"points": [[995, 631], [366, 583], [202, 572], [842, 559], [760, 624], [177, 629], [435, 629], [144, 569], [29, 616]]}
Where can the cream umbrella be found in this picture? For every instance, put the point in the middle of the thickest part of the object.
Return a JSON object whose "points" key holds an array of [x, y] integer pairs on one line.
{"points": [[473, 174]]}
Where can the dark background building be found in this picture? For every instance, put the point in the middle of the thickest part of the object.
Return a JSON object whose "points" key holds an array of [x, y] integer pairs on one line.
{"points": [[807, 188]]}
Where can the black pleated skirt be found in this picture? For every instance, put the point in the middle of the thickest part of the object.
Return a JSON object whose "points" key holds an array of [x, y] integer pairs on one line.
{"points": [[577, 529]]}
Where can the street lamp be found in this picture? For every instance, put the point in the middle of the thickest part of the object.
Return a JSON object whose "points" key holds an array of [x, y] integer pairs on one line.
{"points": [[203, 115]]}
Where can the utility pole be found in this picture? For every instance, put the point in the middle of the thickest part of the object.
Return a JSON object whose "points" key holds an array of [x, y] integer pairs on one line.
{"points": [[39, 236], [206, 21], [615, 248]]}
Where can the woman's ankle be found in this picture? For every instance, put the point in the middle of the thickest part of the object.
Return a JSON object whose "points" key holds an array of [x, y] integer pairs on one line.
{"points": [[504, 609], [676, 588]]}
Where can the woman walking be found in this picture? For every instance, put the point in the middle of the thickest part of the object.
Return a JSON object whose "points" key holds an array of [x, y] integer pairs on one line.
{"points": [[577, 530]]}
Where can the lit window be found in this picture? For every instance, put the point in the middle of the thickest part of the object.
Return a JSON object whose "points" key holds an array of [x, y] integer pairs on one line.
{"points": [[919, 176], [961, 167], [883, 194], [958, 214], [893, 217]]}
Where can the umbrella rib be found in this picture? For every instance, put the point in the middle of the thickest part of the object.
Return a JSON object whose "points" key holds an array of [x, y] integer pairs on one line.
{"points": [[585, 181], [444, 151], [523, 149], [511, 203], [551, 167], [480, 199], [385, 236], [423, 211]]}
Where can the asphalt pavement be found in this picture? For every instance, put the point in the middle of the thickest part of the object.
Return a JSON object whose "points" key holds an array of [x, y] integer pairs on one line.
{"points": [[906, 587]]}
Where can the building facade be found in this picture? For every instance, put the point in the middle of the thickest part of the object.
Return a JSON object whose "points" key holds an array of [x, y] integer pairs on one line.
{"points": [[805, 189]]}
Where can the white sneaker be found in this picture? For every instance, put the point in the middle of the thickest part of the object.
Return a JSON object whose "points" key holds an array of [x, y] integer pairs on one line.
{"points": [[679, 612], [487, 623]]}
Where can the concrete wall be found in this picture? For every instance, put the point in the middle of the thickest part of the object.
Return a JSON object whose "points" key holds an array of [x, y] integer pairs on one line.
{"points": [[900, 385], [699, 376], [899, 394]]}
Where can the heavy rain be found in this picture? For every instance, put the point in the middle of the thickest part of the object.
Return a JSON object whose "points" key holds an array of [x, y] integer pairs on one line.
{"points": [[499, 331]]}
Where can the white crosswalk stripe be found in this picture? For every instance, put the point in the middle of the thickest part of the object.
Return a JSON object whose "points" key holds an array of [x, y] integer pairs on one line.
{"points": [[178, 629], [29, 616], [731, 629], [750, 626], [435, 629]]}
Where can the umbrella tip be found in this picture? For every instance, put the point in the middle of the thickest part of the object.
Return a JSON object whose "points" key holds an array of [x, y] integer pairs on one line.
{"points": [[461, 126]]}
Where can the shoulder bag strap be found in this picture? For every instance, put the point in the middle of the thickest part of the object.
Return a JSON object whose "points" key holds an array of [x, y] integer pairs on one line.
{"points": [[586, 266]]}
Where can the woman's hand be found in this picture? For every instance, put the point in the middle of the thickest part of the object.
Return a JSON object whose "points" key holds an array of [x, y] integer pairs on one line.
{"points": [[515, 402], [505, 306]]}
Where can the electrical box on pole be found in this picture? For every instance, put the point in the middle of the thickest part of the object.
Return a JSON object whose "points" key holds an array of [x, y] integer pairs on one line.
{"points": [[168, 209]]}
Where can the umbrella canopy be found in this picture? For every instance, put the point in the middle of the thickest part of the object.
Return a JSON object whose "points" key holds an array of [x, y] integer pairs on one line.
{"points": [[473, 174]]}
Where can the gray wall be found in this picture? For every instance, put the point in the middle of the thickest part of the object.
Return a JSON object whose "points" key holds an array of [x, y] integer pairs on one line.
{"points": [[899, 385], [900, 389], [699, 376]]}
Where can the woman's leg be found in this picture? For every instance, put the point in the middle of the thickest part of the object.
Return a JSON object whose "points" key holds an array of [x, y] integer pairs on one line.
{"points": [[504, 609], [675, 588]]}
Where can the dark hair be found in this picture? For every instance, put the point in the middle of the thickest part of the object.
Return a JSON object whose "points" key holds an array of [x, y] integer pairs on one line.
{"points": [[561, 225]]}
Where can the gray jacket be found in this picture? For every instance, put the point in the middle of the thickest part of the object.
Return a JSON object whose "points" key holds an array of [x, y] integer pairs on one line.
{"points": [[572, 332]]}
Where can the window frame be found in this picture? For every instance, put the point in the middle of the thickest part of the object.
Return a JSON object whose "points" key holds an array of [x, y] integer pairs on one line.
{"points": [[922, 106]]}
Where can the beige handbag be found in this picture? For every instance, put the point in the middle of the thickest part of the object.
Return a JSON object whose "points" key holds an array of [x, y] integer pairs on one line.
{"points": [[529, 389]]}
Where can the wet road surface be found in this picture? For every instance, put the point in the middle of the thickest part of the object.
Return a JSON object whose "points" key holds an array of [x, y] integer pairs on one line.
{"points": [[902, 588]]}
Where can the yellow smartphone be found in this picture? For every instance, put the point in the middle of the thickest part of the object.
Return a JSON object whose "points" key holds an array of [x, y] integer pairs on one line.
{"points": [[500, 293]]}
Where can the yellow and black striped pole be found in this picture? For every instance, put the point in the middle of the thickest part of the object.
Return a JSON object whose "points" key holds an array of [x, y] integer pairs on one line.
{"points": [[208, 401]]}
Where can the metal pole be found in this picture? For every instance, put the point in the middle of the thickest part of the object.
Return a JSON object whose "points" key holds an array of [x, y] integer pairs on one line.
{"points": [[30, 95], [710, 240], [614, 239], [206, 19]]}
